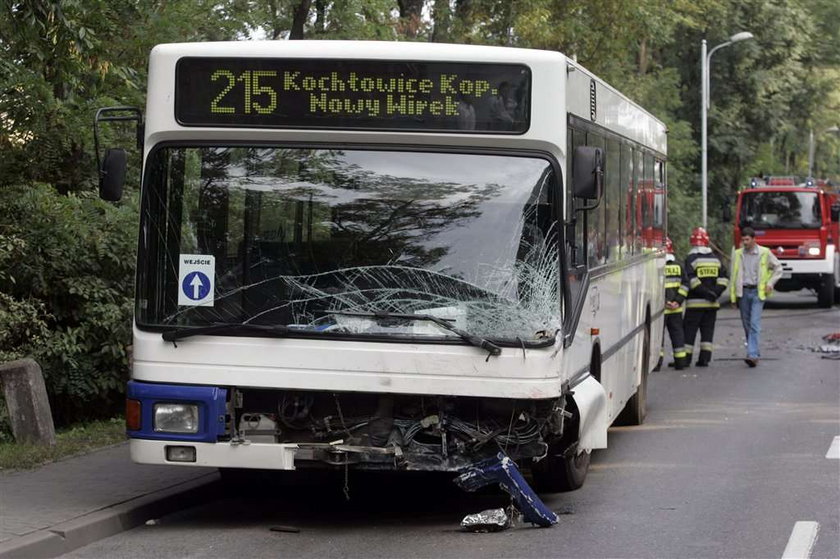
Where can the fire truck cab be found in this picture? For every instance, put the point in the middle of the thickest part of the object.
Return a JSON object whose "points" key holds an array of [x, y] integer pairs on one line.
{"points": [[799, 223]]}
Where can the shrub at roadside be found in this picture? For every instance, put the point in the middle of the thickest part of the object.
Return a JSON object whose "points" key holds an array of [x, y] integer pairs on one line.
{"points": [[66, 285]]}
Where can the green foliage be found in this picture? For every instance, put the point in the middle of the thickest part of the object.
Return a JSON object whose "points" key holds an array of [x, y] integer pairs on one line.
{"points": [[66, 293]]}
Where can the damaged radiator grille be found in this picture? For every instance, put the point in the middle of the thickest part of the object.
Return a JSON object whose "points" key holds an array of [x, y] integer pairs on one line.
{"points": [[396, 432]]}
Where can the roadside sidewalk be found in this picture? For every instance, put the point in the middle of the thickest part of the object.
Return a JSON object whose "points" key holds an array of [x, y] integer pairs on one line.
{"points": [[71, 503]]}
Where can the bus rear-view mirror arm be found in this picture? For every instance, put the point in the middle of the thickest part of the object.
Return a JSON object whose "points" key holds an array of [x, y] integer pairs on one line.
{"points": [[588, 175]]}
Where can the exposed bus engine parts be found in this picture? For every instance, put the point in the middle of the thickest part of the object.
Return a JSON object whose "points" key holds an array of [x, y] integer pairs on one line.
{"points": [[401, 432]]}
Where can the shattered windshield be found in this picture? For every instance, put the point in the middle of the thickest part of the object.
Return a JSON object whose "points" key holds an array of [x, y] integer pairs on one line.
{"points": [[314, 239], [781, 210]]}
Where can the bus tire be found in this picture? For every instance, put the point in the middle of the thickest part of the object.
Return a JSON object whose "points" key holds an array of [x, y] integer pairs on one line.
{"points": [[564, 468], [635, 410], [561, 470], [825, 293]]}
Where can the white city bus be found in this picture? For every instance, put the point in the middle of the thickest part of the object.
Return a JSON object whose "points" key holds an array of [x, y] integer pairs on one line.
{"points": [[390, 256]]}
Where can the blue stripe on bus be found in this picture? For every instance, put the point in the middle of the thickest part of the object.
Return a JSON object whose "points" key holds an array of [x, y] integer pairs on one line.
{"points": [[209, 399]]}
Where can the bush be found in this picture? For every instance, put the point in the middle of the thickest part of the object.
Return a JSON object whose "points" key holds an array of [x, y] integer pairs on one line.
{"points": [[66, 286]]}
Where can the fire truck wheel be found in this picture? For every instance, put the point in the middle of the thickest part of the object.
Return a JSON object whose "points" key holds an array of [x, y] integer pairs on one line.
{"points": [[825, 293]]}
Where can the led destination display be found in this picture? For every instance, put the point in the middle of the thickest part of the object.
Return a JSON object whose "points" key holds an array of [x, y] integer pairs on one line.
{"points": [[355, 94]]}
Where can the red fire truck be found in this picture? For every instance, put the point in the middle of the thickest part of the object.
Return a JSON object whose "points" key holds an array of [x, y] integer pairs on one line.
{"points": [[799, 223]]}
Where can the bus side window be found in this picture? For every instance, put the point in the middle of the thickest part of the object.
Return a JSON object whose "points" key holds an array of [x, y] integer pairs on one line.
{"points": [[629, 222], [638, 196], [613, 200], [576, 242], [596, 247], [660, 204], [647, 205]]}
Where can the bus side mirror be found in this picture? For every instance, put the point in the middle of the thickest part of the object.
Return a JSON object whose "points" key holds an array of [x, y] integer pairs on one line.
{"points": [[726, 214], [112, 167], [112, 175], [835, 212], [588, 177]]}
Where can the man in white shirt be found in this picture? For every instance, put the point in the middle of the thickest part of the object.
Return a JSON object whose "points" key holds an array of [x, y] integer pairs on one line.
{"points": [[755, 270]]}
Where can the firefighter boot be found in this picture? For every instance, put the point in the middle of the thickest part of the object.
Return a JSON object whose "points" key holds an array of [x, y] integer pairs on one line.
{"points": [[705, 355]]}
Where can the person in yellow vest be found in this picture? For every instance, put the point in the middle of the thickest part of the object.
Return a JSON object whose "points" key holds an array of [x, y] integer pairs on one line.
{"points": [[754, 273], [676, 290]]}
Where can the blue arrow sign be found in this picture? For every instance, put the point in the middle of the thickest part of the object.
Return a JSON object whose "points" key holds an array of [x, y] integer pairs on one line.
{"points": [[196, 286]]}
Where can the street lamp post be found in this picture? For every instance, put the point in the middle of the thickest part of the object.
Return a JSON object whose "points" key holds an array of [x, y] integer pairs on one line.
{"points": [[705, 62]]}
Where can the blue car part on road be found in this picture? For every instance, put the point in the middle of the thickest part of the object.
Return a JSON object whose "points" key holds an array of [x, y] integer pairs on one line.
{"points": [[502, 470]]}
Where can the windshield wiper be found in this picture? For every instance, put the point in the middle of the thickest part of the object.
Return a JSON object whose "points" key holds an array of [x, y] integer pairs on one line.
{"points": [[223, 328], [471, 339]]}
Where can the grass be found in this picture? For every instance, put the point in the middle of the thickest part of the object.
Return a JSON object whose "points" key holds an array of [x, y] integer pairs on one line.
{"points": [[71, 441]]}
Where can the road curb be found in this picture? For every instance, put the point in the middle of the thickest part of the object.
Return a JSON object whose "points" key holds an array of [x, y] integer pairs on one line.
{"points": [[84, 530]]}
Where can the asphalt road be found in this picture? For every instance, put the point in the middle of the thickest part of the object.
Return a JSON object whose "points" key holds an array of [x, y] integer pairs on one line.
{"points": [[729, 461]]}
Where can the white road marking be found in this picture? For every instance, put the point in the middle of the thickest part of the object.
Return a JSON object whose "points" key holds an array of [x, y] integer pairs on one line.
{"points": [[834, 449], [802, 540]]}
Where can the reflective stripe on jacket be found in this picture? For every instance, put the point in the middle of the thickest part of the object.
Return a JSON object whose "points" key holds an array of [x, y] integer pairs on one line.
{"points": [[676, 285], [706, 279]]}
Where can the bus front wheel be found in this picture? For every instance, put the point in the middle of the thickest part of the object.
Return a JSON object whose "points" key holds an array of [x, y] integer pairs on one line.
{"points": [[561, 471]]}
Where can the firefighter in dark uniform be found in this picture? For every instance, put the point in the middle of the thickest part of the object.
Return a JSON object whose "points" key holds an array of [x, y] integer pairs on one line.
{"points": [[676, 290], [707, 280]]}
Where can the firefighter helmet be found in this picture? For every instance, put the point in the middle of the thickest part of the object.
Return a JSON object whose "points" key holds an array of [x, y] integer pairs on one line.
{"points": [[669, 245], [699, 237]]}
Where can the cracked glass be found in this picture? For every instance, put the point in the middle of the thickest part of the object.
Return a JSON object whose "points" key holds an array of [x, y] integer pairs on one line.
{"points": [[300, 236]]}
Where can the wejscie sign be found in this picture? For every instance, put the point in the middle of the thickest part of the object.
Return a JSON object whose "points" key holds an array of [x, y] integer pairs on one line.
{"points": [[196, 280]]}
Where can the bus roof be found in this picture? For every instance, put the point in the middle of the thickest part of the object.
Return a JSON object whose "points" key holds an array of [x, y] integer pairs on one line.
{"points": [[359, 49]]}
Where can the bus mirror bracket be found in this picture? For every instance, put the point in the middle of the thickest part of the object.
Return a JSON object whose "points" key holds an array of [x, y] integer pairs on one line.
{"points": [[112, 167], [588, 179]]}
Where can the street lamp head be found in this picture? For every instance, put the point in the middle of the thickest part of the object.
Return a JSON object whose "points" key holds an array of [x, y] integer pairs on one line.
{"points": [[742, 36]]}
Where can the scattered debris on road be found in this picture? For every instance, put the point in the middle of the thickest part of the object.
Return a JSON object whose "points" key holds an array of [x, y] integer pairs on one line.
{"points": [[502, 470], [491, 520], [832, 346]]}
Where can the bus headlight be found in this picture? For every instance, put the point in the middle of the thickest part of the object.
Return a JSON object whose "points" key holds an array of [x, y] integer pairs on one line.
{"points": [[813, 251], [176, 418]]}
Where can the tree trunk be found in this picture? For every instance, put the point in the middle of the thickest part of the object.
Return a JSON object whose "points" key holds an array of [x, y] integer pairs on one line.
{"points": [[410, 11], [643, 57], [321, 16], [299, 20], [442, 18]]}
